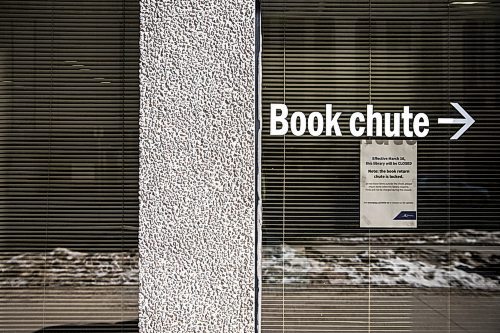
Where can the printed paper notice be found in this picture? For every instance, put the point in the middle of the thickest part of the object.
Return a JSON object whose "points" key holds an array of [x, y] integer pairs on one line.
{"points": [[388, 193]]}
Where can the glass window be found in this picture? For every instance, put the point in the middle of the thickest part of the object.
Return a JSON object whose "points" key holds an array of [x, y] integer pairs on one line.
{"points": [[69, 165], [321, 272]]}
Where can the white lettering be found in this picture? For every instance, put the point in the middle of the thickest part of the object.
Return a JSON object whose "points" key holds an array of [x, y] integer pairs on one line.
{"points": [[302, 123], [371, 119], [421, 120], [352, 124], [332, 121], [281, 119], [310, 123]]}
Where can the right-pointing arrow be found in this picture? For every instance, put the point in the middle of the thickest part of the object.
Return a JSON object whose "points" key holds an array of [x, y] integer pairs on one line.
{"points": [[467, 121]]}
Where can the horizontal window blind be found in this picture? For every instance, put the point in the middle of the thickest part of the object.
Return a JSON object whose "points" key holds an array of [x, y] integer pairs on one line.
{"points": [[320, 271], [69, 109]]}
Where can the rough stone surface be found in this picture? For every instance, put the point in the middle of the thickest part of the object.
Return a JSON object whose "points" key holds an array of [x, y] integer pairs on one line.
{"points": [[197, 166]]}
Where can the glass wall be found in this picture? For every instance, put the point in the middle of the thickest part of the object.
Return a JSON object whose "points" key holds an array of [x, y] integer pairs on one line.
{"points": [[321, 272], [69, 109]]}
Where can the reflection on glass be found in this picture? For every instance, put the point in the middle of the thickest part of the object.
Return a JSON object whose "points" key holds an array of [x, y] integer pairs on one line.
{"points": [[320, 271], [69, 165]]}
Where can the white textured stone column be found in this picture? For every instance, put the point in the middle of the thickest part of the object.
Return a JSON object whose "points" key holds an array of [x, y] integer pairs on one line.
{"points": [[197, 172]]}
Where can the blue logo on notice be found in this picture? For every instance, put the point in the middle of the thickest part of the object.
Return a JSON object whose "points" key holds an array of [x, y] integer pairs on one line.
{"points": [[406, 215]]}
